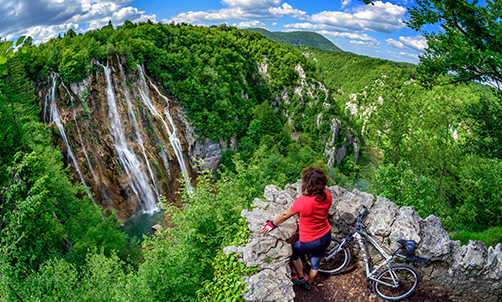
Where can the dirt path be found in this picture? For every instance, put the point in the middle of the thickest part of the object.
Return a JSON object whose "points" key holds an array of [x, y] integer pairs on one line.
{"points": [[349, 286]]}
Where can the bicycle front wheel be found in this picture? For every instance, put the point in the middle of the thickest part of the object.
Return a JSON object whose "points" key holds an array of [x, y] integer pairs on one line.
{"points": [[335, 264], [397, 283]]}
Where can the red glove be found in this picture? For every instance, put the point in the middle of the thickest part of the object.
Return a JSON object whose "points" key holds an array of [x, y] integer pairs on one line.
{"points": [[270, 225]]}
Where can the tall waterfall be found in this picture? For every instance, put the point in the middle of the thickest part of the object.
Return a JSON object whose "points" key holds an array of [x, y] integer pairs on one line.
{"points": [[54, 118], [137, 179], [173, 136], [134, 120], [95, 179]]}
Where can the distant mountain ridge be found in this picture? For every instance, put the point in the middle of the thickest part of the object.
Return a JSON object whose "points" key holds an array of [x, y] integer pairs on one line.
{"points": [[299, 38]]}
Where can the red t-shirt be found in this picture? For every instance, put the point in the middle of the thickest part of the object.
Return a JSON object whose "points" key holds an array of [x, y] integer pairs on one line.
{"points": [[313, 216]]}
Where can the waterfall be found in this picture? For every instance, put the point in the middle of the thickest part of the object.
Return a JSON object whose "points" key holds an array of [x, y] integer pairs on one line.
{"points": [[138, 181], [54, 118], [94, 177], [173, 137], [134, 120]]}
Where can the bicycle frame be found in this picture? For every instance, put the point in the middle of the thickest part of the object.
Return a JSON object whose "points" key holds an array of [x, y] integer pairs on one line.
{"points": [[360, 236]]}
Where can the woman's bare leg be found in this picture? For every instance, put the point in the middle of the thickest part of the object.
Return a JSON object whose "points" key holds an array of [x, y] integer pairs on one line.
{"points": [[298, 265], [312, 275]]}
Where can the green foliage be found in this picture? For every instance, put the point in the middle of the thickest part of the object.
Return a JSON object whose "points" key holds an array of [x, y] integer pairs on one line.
{"points": [[491, 236], [479, 201], [42, 214], [179, 259], [73, 66], [400, 184], [227, 283], [466, 49]]}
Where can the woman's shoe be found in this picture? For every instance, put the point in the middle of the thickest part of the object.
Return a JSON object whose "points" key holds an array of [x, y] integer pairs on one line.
{"points": [[307, 286], [299, 281]]}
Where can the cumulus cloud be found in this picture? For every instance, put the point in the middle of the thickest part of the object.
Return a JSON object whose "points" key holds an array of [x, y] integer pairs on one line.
{"points": [[241, 10], [345, 3], [274, 24], [418, 43], [404, 55], [44, 19], [362, 37], [288, 10], [245, 24], [380, 17], [366, 43]]}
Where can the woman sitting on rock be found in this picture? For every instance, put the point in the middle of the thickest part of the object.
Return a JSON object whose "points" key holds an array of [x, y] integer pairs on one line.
{"points": [[315, 231]]}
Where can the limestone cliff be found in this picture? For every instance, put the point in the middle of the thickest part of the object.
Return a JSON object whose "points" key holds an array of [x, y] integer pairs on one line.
{"points": [[465, 273], [121, 136]]}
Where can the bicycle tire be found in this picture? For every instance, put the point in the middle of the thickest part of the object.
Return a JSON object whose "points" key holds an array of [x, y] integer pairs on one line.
{"points": [[337, 263], [408, 282]]}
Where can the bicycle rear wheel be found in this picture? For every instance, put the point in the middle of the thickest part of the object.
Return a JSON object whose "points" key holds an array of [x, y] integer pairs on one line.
{"points": [[407, 278], [335, 264]]}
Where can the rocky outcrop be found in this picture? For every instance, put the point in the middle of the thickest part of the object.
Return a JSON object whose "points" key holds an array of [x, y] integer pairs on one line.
{"points": [[463, 273], [204, 153]]}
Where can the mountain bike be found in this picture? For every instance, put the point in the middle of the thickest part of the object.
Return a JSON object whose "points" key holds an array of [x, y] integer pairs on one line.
{"points": [[394, 282]]}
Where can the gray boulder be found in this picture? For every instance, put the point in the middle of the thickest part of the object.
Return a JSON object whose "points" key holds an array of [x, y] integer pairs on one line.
{"points": [[462, 273]]}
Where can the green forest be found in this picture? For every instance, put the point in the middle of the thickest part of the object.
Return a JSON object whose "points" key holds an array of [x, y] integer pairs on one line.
{"points": [[429, 136]]}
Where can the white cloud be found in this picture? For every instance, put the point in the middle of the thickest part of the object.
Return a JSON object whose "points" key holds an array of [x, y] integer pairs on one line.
{"points": [[366, 43], [408, 55], [288, 10], [44, 19], [394, 43], [252, 4], [245, 24], [241, 10], [404, 55], [362, 37], [418, 43], [274, 24], [345, 3], [380, 17]]}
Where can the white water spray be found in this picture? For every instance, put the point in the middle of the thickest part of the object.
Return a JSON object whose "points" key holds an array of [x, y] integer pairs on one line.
{"points": [[54, 118], [137, 179], [94, 177], [173, 136], [134, 120]]}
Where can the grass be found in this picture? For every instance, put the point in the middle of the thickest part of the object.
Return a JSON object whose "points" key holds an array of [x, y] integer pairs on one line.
{"points": [[490, 237]]}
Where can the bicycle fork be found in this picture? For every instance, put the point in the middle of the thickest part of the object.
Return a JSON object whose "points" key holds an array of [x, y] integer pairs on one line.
{"points": [[366, 262]]}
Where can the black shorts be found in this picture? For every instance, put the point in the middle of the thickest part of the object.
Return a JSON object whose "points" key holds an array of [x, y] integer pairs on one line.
{"points": [[315, 248]]}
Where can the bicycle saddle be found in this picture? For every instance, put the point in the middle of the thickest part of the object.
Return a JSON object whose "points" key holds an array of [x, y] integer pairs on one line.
{"points": [[410, 245]]}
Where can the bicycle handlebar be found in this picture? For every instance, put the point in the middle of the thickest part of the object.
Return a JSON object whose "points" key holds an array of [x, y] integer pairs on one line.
{"points": [[361, 216]]}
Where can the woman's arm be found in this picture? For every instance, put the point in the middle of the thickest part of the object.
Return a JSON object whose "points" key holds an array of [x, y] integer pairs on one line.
{"points": [[283, 217]]}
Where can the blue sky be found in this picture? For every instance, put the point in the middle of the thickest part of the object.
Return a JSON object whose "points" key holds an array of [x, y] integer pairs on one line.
{"points": [[373, 30]]}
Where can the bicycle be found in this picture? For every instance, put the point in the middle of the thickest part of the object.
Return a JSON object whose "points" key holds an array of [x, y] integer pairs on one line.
{"points": [[394, 283]]}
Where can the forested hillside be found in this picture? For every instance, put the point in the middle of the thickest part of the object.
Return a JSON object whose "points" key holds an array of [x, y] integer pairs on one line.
{"points": [[423, 141], [299, 38]]}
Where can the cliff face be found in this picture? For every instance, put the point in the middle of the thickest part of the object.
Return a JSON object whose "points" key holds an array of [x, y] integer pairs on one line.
{"points": [[471, 272], [129, 143], [121, 136]]}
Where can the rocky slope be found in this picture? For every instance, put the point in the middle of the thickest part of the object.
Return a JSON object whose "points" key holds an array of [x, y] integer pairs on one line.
{"points": [[466, 273]]}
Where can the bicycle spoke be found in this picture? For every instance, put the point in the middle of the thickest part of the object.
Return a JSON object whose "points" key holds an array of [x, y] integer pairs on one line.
{"points": [[399, 285]]}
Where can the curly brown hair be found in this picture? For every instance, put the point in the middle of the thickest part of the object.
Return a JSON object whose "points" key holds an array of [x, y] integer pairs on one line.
{"points": [[314, 182]]}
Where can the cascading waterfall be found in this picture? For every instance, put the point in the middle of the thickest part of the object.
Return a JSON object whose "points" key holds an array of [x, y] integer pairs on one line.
{"points": [[134, 120], [173, 137], [54, 118], [138, 181], [94, 177]]}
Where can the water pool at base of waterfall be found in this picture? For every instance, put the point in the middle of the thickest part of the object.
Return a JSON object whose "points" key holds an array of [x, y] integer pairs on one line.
{"points": [[141, 224]]}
